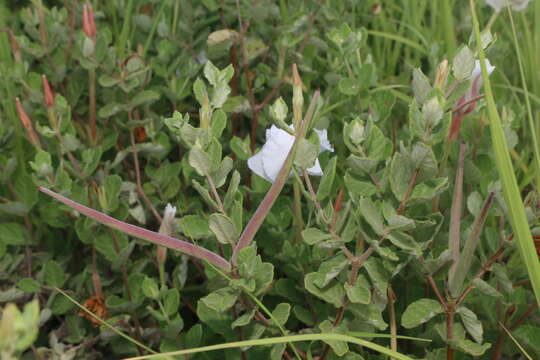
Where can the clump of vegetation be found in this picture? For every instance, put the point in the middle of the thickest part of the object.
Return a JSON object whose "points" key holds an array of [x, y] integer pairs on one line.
{"points": [[298, 180]]}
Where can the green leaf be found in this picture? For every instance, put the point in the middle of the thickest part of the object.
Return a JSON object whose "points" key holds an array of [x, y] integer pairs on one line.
{"points": [[432, 112], [110, 109], [401, 170], [220, 300], [54, 274], [171, 301], [200, 161], [277, 351], [330, 269], [278, 111], [243, 319], [194, 226], [306, 154], [340, 347], [28, 285], [378, 274], [135, 281], [382, 103], [12, 234], [251, 267], [218, 123], [485, 288], [199, 89], [220, 95], [223, 228], [241, 147], [193, 336], [370, 314], [205, 194], [211, 73], [428, 189], [372, 215], [420, 312], [25, 189], [327, 180], [332, 294], [421, 86], [112, 185], [150, 288], [528, 335], [281, 313], [406, 242], [472, 348], [143, 98], [463, 63], [359, 292], [348, 86], [471, 323], [218, 321], [313, 236], [360, 188], [42, 164]]}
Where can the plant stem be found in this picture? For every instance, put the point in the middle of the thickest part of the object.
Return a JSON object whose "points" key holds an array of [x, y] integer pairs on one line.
{"points": [[450, 312], [392, 318]]}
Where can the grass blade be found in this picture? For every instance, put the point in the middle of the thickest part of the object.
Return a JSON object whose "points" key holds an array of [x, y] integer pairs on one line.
{"points": [[105, 323], [280, 340], [527, 101], [511, 193]]}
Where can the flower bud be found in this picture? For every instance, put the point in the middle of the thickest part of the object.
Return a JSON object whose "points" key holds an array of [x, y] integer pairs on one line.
{"points": [[89, 27], [47, 92], [298, 98], [27, 124], [15, 49], [442, 74], [165, 229]]}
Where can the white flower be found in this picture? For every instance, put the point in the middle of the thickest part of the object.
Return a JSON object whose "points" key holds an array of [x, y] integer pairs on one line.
{"points": [[516, 5], [269, 160], [476, 78], [478, 70], [168, 217]]}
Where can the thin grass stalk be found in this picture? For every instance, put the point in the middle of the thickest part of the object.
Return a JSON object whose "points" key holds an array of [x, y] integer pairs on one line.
{"points": [[447, 20], [153, 29], [530, 117], [511, 193], [280, 340]]}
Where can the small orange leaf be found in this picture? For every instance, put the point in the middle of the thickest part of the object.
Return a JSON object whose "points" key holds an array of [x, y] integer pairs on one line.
{"points": [[96, 305]]}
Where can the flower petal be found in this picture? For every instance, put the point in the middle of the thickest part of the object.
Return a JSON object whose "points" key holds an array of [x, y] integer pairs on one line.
{"points": [[323, 141], [315, 170], [275, 151], [478, 70], [255, 163]]}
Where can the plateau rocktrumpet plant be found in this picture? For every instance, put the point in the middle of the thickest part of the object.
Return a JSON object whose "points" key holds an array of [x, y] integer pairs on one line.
{"points": [[516, 5], [269, 160], [467, 103]]}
